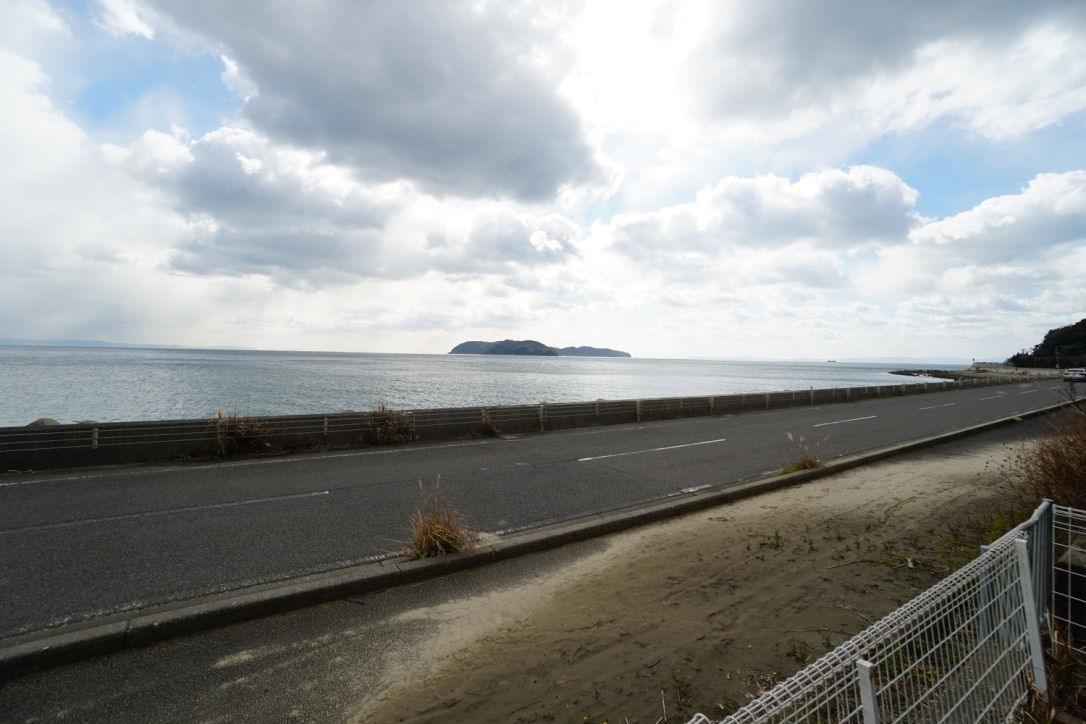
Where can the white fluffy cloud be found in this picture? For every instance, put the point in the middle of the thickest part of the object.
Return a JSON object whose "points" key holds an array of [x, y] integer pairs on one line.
{"points": [[672, 178]]}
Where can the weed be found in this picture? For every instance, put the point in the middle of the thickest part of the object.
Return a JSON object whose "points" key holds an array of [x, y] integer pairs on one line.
{"points": [[683, 689], [728, 706], [1055, 466], [489, 428], [385, 426], [1066, 684], [798, 650], [436, 528], [801, 456], [236, 434]]}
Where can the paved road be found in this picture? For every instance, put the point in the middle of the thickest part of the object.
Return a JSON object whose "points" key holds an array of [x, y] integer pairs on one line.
{"points": [[79, 545], [317, 664]]}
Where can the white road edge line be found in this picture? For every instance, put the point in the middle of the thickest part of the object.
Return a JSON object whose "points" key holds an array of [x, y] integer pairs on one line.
{"points": [[168, 511], [234, 464], [935, 407], [838, 422], [655, 449]]}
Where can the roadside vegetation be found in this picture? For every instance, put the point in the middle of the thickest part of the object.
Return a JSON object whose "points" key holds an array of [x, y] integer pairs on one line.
{"points": [[237, 434], [801, 456], [387, 426], [436, 528], [1054, 468]]}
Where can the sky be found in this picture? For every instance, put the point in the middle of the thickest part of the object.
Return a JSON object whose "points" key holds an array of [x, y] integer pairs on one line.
{"points": [[672, 178]]}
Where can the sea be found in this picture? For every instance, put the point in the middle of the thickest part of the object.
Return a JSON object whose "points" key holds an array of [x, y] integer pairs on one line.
{"points": [[111, 384]]}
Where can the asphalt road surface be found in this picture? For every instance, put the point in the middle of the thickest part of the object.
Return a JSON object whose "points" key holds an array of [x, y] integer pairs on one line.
{"points": [[78, 545], [317, 664]]}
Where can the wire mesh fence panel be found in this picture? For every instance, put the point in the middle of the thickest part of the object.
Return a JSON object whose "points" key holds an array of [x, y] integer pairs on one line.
{"points": [[966, 650], [1069, 575]]}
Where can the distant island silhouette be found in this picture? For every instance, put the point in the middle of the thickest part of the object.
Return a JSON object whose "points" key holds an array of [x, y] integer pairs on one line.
{"points": [[530, 347]]}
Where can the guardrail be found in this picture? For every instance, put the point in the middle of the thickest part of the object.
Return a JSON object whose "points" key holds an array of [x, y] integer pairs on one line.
{"points": [[967, 649], [58, 446]]}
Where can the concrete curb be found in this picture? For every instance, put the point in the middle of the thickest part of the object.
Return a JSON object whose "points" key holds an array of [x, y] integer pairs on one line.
{"points": [[78, 642]]}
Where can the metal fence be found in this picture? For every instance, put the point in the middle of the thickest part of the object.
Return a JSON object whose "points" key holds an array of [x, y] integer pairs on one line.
{"points": [[24, 448], [966, 650], [1068, 602]]}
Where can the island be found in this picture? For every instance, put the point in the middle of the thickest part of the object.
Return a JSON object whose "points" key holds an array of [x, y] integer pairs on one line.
{"points": [[533, 348]]}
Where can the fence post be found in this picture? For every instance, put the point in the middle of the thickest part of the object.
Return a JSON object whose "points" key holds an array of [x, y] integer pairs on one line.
{"points": [[1043, 564], [326, 426], [94, 438], [867, 692], [984, 595], [1033, 628]]}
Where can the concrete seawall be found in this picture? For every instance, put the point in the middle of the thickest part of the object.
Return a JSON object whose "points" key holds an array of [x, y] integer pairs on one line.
{"points": [[87, 444]]}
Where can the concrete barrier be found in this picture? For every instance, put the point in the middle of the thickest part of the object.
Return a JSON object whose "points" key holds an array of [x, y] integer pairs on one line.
{"points": [[65, 446]]}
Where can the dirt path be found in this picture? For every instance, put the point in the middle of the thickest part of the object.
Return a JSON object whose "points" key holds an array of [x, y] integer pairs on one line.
{"points": [[698, 613]]}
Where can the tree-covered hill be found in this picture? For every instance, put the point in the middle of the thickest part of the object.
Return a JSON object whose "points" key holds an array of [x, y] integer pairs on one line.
{"points": [[1062, 347], [531, 347]]}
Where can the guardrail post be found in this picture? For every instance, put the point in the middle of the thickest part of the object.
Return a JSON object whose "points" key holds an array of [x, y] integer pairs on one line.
{"points": [[1033, 628], [812, 394], [542, 418], [326, 426], [767, 400], [712, 405], [638, 410], [94, 438], [867, 692]]}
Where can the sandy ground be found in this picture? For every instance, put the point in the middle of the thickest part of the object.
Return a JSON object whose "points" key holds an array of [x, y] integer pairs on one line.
{"points": [[700, 613]]}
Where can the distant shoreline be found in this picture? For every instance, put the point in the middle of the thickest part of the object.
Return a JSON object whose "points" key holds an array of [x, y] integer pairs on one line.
{"points": [[985, 369]]}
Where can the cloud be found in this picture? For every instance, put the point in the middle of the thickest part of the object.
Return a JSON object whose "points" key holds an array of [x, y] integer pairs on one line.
{"points": [[124, 17], [773, 70], [1019, 254], [692, 178], [460, 98], [831, 210], [1045, 220], [253, 208]]}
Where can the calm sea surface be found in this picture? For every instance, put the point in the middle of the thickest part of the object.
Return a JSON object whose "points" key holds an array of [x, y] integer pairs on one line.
{"points": [[115, 384]]}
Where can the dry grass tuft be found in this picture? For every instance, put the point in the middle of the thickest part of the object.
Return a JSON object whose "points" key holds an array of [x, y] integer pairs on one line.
{"points": [[801, 456], [1055, 466], [489, 428], [1066, 685], [436, 528], [386, 426], [237, 434]]}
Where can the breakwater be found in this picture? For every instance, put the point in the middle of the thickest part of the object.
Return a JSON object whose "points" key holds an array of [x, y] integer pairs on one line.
{"points": [[86, 444]]}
